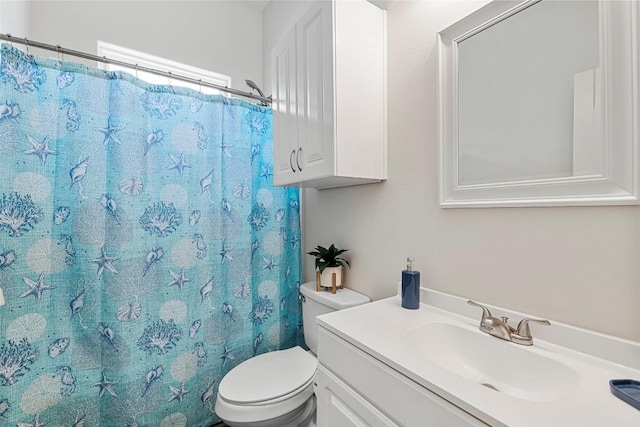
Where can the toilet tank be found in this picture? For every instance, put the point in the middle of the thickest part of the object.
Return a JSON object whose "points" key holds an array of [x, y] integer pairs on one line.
{"points": [[316, 303]]}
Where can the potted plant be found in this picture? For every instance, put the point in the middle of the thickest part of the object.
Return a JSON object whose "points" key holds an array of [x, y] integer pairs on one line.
{"points": [[329, 267]]}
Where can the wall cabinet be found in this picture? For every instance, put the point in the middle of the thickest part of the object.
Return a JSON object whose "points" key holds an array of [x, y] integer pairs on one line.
{"points": [[356, 389], [329, 97]]}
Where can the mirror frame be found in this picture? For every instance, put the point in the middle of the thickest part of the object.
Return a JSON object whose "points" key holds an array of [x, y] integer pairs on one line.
{"points": [[620, 183]]}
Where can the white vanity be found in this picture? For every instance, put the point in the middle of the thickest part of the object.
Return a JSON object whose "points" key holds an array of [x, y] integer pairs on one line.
{"points": [[382, 365]]}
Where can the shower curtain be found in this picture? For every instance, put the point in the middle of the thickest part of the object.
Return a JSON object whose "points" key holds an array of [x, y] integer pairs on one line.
{"points": [[144, 251]]}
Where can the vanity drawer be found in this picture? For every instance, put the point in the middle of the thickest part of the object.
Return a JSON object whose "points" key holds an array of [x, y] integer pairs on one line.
{"points": [[340, 405], [402, 400]]}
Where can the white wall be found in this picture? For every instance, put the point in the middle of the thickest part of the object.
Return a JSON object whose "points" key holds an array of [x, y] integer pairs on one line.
{"points": [[577, 265], [15, 17], [221, 36]]}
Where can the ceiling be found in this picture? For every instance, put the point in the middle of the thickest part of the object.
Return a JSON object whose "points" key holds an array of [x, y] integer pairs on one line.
{"points": [[258, 4], [261, 4]]}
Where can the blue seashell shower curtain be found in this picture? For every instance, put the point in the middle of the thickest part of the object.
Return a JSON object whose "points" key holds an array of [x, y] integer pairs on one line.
{"points": [[144, 251]]}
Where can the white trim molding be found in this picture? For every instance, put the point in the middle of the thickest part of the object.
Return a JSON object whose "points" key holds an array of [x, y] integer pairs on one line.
{"points": [[617, 179]]}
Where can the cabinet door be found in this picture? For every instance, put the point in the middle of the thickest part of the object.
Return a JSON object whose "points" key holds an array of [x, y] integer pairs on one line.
{"points": [[339, 405], [285, 121], [315, 156]]}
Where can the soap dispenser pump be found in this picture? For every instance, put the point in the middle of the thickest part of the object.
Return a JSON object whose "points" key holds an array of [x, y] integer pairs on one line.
{"points": [[410, 286]]}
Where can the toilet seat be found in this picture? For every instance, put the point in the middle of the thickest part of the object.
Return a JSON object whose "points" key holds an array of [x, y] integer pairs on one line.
{"points": [[272, 386], [269, 377]]}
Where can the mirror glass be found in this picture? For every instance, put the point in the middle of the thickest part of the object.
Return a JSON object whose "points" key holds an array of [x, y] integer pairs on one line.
{"points": [[527, 87], [538, 104]]}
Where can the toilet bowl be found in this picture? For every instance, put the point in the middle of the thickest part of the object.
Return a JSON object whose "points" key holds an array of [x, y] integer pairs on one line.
{"points": [[272, 389], [275, 389]]}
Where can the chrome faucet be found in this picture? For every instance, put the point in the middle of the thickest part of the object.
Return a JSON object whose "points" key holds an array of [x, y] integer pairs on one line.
{"points": [[500, 327]]}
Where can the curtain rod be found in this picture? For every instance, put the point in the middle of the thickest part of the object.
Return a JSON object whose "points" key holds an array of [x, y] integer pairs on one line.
{"points": [[103, 59]]}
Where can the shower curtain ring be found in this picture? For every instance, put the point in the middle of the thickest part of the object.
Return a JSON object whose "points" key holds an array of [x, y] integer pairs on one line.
{"points": [[200, 81], [58, 50], [170, 77], [26, 42], [136, 71]]}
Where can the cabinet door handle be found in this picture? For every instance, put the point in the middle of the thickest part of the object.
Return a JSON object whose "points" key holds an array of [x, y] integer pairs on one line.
{"points": [[291, 161], [298, 159]]}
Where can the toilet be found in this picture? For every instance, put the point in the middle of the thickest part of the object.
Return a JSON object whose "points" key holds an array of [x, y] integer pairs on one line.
{"points": [[275, 389]]}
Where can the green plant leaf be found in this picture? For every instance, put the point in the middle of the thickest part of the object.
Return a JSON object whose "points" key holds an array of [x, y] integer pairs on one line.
{"points": [[328, 257]]}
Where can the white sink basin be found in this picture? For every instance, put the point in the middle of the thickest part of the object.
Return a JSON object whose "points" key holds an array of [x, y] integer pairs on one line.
{"points": [[499, 365]]}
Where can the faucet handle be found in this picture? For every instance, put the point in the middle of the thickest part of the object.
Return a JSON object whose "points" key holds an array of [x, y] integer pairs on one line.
{"points": [[487, 323], [485, 311], [523, 333]]}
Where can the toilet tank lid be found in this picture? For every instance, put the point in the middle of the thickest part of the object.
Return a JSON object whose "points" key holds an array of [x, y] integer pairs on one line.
{"points": [[268, 376], [343, 298]]}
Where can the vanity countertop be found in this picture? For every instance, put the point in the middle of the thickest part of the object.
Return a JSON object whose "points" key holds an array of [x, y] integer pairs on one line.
{"points": [[379, 329]]}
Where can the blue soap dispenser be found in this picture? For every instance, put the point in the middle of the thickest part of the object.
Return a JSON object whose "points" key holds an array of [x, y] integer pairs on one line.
{"points": [[410, 286]]}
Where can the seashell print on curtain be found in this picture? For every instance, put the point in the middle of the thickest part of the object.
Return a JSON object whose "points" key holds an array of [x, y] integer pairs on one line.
{"points": [[144, 251]]}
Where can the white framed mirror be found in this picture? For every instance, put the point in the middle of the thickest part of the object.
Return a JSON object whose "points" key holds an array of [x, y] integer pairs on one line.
{"points": [[538, 105]]}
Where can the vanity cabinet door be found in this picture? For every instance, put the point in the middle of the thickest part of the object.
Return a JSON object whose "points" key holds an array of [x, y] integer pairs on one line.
{"points": [[339, 405]]}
